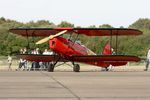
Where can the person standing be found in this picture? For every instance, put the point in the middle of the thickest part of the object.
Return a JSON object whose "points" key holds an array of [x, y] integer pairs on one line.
{"points": [[46, 64], [147, 60], [22, 62], [25, 61], [9, 62], [35, 65]]}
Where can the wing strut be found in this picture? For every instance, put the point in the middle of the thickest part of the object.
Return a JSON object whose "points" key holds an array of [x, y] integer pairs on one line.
{"points": [[28, 45], [76, 39], [116, 42], [110, 40]]}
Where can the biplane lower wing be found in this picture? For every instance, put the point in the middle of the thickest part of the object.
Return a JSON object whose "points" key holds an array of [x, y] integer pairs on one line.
{"points": [[105, 58], [40, 58], [88, 58]]}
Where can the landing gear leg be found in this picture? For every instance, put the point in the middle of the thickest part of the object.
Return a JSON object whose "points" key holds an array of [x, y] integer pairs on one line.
{"points": [[76, 67], [51, 66]]}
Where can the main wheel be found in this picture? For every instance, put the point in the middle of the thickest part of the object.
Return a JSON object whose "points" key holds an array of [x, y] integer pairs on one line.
{"points": [[106, 69], [76, 68], [50, 68]]}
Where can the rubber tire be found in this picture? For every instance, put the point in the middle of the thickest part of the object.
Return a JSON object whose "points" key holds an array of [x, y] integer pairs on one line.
{"points": [[76, 68], [106, 69], [50, 68]]}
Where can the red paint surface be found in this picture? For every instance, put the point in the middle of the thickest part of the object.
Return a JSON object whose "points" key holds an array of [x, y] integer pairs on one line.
{"points": [[67, 49], [86, 31]]}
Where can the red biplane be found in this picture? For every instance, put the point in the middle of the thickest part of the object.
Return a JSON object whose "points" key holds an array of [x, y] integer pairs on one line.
{"points": [[68, 50]]}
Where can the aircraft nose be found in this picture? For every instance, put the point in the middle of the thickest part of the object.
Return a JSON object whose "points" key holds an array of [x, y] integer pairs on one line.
{"points": [[53, 43]]}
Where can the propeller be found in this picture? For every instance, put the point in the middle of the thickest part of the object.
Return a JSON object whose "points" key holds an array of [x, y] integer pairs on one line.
{"points": [[50, 37]]}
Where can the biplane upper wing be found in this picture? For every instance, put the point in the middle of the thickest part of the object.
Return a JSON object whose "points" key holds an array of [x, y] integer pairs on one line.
{"points": [[86, 31], [107, 31], [105, 58], [40, 58], [33, 32]]}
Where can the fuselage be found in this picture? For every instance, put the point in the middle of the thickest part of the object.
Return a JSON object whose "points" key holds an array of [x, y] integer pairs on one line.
{"points": [[67, 48]]}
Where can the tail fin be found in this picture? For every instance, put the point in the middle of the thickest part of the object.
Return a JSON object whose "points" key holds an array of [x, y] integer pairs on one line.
{"points": [[107, 49]]}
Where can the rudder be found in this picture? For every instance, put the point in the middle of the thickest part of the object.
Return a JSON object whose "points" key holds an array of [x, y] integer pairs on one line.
{"points": [[107, 49]]}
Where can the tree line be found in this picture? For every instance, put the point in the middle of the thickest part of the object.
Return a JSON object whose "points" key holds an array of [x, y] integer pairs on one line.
{"points": [[11, 43]]}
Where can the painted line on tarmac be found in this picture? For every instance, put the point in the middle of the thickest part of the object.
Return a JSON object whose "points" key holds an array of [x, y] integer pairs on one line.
{"points": [[50, 76]]}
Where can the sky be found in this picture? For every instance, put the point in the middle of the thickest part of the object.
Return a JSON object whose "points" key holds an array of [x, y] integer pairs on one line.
{"points": [[79, 12]]}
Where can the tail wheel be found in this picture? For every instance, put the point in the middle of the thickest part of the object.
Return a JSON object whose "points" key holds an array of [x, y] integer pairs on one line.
{"points": [[50, 68], [76, 68]]}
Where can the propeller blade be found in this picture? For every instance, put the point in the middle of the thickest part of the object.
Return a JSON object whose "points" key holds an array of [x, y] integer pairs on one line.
{"points": [[58, 34], [50, 37], [43, 40]]}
